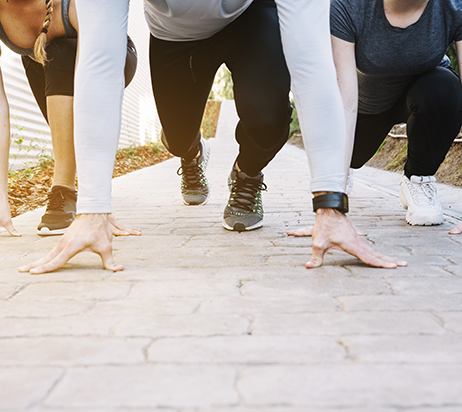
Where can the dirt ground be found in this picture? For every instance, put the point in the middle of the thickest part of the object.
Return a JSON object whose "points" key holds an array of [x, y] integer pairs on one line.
{"points": [[393, 154], [28, 189]]}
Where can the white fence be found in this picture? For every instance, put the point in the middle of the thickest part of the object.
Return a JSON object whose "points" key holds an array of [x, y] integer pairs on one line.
{"points": [[140, 123]]}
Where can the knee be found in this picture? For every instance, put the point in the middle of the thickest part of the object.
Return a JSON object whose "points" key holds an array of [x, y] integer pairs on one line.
{"points": [[269, 126], [437, 93]]}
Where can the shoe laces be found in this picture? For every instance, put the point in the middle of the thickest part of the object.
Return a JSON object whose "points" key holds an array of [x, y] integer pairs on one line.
{"points": [[193, 174], [423, 190], [244, 191], [56, 201]]}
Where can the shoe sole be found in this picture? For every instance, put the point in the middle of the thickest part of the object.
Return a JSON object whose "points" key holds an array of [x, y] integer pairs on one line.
{"points": [[416, 220], [198, 204], [44, 231], [239, 227]]}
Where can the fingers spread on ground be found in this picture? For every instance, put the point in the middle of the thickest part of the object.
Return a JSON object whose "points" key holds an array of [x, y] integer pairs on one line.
{"points": [[306, 231]]}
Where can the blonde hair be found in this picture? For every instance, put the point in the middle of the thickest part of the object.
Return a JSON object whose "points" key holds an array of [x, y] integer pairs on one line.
{"points": [[39, 48]]}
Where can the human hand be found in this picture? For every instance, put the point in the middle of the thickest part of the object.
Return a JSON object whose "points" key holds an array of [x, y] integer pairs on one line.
{"points": [[119, 229], [333, 230], [456, 231], [88, 232], [5, 217]]}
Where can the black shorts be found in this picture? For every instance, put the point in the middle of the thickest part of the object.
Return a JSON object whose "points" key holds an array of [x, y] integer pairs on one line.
{"points": [[56, 78]]}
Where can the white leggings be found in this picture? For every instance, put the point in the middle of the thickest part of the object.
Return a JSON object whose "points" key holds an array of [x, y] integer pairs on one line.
{"points": [[99, 85]]}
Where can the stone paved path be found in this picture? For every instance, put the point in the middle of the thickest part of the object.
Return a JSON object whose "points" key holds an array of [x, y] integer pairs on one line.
{"points": [[206, 320]]}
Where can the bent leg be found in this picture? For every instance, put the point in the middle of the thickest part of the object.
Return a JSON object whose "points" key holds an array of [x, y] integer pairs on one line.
{"points": [[182, 75], [434, 102], [261, 86]]}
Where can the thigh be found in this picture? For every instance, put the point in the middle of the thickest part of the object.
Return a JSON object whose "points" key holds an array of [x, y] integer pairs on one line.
{"points": [[256, 61], [182, 75], [60, 69], [36, 78]]}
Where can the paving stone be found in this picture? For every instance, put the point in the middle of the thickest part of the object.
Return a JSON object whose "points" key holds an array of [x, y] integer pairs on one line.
{"points": [[71, 351], [247, 349], [144, 274], [347, 323], [62, 326], [184, 288], [43, 309], [146, 307], [245, 305], [401, 303], [423, 349], [146, 386], [452, 320], [74, 291], [8, 290], [194, 325], [423, 286], [347, 386], [315, 286], [21, 388]]}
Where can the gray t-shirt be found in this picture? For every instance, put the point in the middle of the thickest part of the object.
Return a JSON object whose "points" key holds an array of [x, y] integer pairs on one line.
{"points": [[186, 20], [388, 58]]}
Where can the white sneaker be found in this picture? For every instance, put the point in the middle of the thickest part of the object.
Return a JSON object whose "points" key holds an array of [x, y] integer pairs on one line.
{"points": [[418, 196]]}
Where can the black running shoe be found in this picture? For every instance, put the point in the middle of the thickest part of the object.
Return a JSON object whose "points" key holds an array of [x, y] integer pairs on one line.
{"points": [[194, 185], [244, 210], [60, 211]]}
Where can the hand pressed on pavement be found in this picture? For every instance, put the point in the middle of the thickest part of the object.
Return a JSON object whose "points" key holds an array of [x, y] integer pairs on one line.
{"points": [[88, 232], [333, 230], [456, 231], [5, 217]]}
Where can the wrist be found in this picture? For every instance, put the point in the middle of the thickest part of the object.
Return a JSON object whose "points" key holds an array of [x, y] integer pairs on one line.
{"points": [[330, 200]]}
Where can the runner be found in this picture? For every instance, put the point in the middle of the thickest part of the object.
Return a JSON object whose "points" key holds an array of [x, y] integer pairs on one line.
{"points": [[50, 71], [389, 56]]}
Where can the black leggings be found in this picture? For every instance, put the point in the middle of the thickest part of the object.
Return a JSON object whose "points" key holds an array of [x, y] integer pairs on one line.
{"points": [[56, 78], [182, 75], [432, 108]]}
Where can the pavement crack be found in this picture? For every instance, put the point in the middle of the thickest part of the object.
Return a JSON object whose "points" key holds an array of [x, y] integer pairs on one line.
{"points": [[346, 349], [17, 291], [239, 286], [340, 305], [390, 286], [48, 393], [442, 323]]}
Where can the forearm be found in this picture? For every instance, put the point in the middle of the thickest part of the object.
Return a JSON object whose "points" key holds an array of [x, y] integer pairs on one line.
{"points": [[307, 48], [4, 140], [99, 85]]}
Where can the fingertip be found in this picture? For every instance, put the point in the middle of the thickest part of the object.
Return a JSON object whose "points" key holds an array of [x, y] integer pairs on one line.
{"points": [[312, 264]]}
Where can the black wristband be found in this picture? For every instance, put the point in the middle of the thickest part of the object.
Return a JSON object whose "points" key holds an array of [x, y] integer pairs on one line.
{"points": [[336, 200]]}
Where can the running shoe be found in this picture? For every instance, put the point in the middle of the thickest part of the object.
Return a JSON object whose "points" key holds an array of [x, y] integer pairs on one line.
{"points": [[60, 211], [194, 185], [419, 196], [244, 210]]}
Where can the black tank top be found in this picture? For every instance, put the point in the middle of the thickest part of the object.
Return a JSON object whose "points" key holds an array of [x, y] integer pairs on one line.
{"points": [[70, 32]]}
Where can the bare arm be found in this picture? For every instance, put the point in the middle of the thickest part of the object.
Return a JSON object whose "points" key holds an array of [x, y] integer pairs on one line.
{"points": [[5, 216]]}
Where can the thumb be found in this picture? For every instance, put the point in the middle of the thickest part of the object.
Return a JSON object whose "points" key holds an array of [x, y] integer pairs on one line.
{"points": [[316, 258]]}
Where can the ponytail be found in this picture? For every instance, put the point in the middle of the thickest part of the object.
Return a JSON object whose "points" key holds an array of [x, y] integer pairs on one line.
{"points": [[40, 44]]}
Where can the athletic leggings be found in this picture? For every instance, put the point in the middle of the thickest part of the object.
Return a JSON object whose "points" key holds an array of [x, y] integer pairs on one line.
{"points": [[432, 108], [56, 78], [182, 75], [99, 90]]}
